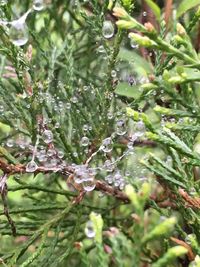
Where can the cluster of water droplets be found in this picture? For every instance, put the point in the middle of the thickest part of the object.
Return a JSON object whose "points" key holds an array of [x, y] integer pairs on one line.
{"points": [[42, 154], [117, 179], [20, 142], [85, 176], [18, 29]]}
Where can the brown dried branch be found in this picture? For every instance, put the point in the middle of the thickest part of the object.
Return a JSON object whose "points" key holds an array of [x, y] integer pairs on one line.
{"points": [[12, 169], [140, 143], [167, 204], [191, 201], [168, 11], [100, 185], [3, 191], [190, 253]]}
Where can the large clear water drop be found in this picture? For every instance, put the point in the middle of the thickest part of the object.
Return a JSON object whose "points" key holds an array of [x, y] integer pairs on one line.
{"points": [[31, 166], [89, 185], [84, 141], [108, 29], [121, 127], [18, 32], [38, 5], [107, 145], [47, 136]]}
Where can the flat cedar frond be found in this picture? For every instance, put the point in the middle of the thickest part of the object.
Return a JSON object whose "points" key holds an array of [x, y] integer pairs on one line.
{"points": [[99, 133]]}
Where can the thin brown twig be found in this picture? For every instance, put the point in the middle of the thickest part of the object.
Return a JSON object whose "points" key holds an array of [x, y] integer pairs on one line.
{"points": [[190, 253], [168, 11], [99, 185], [3, 191], [190, 201]]}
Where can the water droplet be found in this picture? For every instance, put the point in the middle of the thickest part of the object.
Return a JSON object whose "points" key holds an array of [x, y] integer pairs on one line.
{"points": [[3, 2], [85, 141], [50, 152], [74, 99], [89, 185], [68, 106], [131, 81], [1, 109], [75, 154], [31, 166], [57, 125], [108, 29], [38, 5], [140, 128], [10, 143], [79, 173], [18, 32], [85, 128], [133, 137], [121, 127], [117, 176], [130, 145], [144, 13], [101, 49], [116, 183], [107, 145], [110, 115], [47, 136], [89, 229], [133, 44], [108, 165], [113, 73], [109, 178], [60, 154]]}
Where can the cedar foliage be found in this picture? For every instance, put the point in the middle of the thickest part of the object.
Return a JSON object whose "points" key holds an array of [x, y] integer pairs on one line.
{"points": [[99, 131]]}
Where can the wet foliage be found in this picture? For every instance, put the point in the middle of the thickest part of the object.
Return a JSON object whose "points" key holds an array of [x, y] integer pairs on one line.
{"points": [[99, 133]]}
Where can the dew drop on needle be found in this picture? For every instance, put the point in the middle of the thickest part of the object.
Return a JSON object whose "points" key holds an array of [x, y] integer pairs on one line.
{"points": [[108, 29], [38, 5], [10, 143], [84, 141], [47, 136], [89, 229], [89, 185], [121, 127], [18, 32], [31, 166], [107, 145], [133, 44]]}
